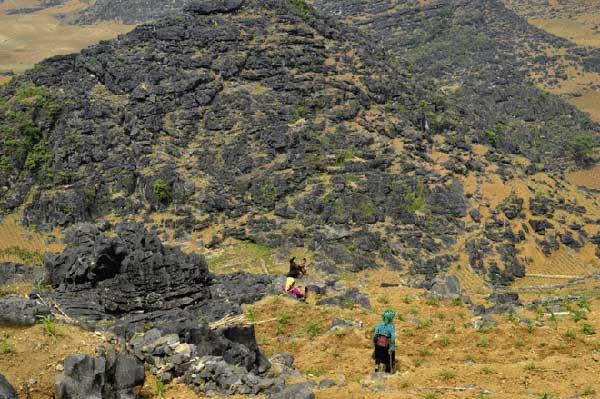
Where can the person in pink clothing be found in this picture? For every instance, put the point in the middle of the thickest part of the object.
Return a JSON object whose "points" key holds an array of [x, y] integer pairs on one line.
{"points": [[290, 288]]}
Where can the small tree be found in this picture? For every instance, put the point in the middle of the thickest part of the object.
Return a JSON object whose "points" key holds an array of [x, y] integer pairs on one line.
{"points": [[582, 147], [163, 191]]}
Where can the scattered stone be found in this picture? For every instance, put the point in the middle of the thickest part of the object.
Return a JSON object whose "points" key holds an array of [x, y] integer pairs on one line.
{"points": [[348, 299], [6, 390]]}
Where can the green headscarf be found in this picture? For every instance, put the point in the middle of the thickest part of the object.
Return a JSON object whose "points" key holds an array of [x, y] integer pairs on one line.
{"points": [[388, 316]]}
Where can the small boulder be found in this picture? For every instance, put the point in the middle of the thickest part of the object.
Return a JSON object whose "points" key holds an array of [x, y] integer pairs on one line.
{"points": [[6, 390], [19, 311], [446, 287]]}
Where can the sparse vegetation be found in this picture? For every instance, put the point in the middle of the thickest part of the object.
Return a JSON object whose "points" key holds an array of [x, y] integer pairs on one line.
{"points": [[588, 329], [483, 343], [48, 325], [487, 370], [160, 388], [314, 328], [447, 375], [24, 255]]}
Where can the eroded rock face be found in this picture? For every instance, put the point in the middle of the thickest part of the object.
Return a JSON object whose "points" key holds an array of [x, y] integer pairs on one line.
{"points": [[108, 376], [128, 273]]}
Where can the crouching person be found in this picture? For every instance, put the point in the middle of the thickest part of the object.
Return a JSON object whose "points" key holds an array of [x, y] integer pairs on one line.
{"points": [[291, 289]]}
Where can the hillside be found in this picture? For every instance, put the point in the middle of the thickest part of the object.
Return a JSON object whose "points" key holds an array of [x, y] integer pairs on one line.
{"points": [[391, 143]]}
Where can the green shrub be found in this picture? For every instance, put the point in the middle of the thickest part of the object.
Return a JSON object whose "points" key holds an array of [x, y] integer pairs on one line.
{"points": [[314, 328], [250, 314], [588, 329], [582, 146], [446, 374], [5, 348], [483, 343], [302, 9], [283, 317], [571, 334], [48, 325], [163, 191], [383, 300], [487, 370]]}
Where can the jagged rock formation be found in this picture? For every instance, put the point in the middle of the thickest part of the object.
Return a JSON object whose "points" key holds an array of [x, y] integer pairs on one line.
{"points": [[134, 279], [111, 375]]}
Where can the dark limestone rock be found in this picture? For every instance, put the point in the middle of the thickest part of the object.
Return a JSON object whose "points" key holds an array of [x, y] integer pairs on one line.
{"points": [[205, 7], [446, 287], [350, 297], [114, 376], [540, 225], [295, 391], [18, 273], [127, 273], [6, 390], [19, 311]]}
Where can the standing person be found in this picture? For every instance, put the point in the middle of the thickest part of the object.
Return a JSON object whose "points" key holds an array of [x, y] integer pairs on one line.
{"points": [[384, 340]]}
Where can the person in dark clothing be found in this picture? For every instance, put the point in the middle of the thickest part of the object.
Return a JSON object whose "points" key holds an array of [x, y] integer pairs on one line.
{"points": [[296, 271], [384, 340]]}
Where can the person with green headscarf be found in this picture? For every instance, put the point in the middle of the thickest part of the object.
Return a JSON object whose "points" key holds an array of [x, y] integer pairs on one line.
{"points": [[384, 340]]}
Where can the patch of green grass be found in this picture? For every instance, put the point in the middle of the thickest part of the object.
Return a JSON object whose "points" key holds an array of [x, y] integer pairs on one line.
{"points": [[571, 334], [519, 343], [250, 314], [546, 395], [422, 324], [383, 300], [469, 358], [407, 300], [430, 395], [531, 366], [409, 333], [578, 315], [24, 255], [48, 325], [588, 391], [447, 375], [483, 343], [413, 311], [315, 371], [314, 328], [457, 302], [445, 341], [432, 301], [5, 348], [160, 388], [418, 362], [530, 328], [588, 329], [283, 317], [424, 351], [487, 370]]}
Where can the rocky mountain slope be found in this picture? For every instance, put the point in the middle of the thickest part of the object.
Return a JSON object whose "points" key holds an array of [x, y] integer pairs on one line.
{"points": [[267, 122]]}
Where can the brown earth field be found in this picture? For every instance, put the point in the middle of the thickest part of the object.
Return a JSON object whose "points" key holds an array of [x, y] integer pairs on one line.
{"points": [[26, 39]]}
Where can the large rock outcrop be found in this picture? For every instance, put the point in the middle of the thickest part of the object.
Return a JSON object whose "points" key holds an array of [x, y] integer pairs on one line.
{"points": [[108, 376]]}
